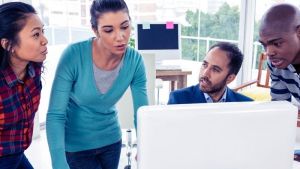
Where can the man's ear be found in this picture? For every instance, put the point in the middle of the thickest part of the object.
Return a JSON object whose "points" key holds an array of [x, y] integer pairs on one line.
{"points": [[230, 78], [5, 44]]}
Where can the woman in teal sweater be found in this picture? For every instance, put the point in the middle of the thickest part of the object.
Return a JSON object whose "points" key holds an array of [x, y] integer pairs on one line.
{"points": [[82, 121]]}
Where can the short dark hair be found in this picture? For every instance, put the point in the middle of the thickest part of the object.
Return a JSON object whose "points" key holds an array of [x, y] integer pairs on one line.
{"points": [[234, 55], [282, 17], [13, 16], [99, 7]]}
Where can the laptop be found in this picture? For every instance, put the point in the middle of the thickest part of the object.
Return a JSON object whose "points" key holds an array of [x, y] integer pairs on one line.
{"points": [[244, 135]]}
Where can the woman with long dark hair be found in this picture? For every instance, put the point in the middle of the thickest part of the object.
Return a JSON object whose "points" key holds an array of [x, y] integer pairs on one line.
{"points": [[22, 52]]}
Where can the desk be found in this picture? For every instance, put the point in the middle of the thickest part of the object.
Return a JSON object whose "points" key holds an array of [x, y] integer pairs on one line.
{"points": [[177, 77]]}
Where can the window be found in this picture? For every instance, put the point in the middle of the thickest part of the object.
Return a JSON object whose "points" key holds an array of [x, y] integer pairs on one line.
{"points": [[211, 22]]}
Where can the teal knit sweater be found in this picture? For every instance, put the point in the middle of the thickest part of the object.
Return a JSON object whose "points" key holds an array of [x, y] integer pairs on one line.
{"points": [[79, 116]]}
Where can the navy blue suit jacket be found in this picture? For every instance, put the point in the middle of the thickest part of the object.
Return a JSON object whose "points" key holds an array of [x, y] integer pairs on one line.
{"points": [[193, 94]]}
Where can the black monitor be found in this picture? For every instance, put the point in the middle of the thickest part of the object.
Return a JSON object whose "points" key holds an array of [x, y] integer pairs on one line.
{"points": [[162, 39]]}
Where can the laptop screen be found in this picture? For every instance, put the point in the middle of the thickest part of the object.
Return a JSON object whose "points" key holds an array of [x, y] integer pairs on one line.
{"points": [[247, 135]]}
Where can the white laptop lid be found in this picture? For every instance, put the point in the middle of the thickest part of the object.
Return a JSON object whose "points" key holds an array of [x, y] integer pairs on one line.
{"points": [[244, 135]]}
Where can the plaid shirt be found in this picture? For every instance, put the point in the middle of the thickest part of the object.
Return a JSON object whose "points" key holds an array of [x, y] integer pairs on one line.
{"points": [[19, 101]]}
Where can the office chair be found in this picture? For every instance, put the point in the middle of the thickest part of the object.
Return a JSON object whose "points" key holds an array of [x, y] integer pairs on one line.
{"points": [[262, 90]]}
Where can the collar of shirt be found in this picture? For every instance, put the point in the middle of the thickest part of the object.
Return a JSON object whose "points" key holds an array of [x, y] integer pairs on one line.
{"points": [[210, 100], [10, 77], [291, 68]]}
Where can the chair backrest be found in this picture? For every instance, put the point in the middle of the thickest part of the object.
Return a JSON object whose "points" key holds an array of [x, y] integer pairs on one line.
{"points": [[262, 60], [259, 80]]}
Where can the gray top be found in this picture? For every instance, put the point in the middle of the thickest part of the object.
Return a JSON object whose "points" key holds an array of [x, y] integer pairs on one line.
{"points": [[105, 78]]}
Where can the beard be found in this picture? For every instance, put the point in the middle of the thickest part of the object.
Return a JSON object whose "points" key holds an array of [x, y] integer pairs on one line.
{"points": [[212, 88]]}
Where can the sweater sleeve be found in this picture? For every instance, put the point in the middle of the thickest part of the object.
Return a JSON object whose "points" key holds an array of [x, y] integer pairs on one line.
{"points": [[278, 91], [138, 88], [56, 116]]}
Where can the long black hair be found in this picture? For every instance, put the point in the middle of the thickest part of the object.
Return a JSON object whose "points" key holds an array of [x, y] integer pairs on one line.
{"points": [[102, 6], [13, 17]]}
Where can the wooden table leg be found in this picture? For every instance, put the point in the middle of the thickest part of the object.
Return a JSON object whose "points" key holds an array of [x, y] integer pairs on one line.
{"points": [[173, 85], [180, 83], [184, 81]]}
